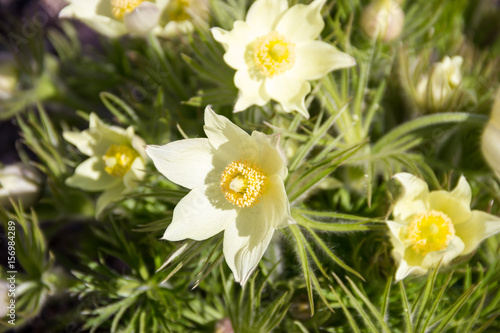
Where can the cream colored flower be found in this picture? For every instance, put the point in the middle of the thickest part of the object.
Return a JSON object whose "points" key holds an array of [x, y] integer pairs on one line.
{"points": [[490, 143], [115, 18], [116, 161], [435, 92], [384, 19], [179, 15], [236, 183], [19, 182], [9, 76], [275, 53], [430, 227]]}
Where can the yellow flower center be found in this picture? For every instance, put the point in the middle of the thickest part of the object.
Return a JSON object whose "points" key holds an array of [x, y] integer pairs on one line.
{"points": [[273, 54], [121, 7], [177, 10], [119, 159], [430, 231], [242, 183]]}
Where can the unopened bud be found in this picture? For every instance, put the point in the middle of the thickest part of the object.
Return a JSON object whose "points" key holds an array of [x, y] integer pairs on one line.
{"points": [[490, 142], [383, 19]]}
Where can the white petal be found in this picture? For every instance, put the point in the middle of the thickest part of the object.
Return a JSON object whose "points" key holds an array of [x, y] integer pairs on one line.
{"points": [[235, 42], [223, 135], [490, 142], [135, 174], [269, 155], [315, 59], [142, 19], [480, 226], [454, 249], [80, 8], [264, 14], [404, 270], [111, 195], [84, 141], [289, 92], [104, 25], [90, 176], [275, 205], [106, 135], [252, 90], [186, 162], [413, 200], [201, 214], [455, 204], [246, 241], [302, 22]]}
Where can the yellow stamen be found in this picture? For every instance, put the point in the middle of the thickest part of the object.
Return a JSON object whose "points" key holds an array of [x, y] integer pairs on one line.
{"points": [[119, 159], [242, 183], [120, 8], [430, 231], [273, 54], [177, 10]]}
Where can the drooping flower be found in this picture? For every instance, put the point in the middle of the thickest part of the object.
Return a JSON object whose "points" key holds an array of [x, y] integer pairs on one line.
{"points": [[435, 92], [116, 161], [19, 182], [433, 227], [490, 141], [115, 18], [236, 183], [274, 53], [383, 19]]}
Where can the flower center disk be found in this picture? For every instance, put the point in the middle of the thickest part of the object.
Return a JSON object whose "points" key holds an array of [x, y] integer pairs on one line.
{"points": [[273, 54], [120, 8], [119, 159], [430, 231], [242, 183]]}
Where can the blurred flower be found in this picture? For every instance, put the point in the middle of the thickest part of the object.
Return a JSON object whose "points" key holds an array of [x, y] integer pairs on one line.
{"points": [[236, 183], [115, 18], [435, 92], [19, 182], [384, 19], [8, 75], [4, 298], [224, 326], [179, 15], [275, 53], [434, 227], [490, 142], [116, 160]]}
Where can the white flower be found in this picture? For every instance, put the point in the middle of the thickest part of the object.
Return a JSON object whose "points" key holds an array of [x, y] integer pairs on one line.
{"points": [[384, 19], [116, 160], [115, 18], [490, 142], [19, 182], [236, 183], [435, 92], [275, 53], [430, 227], [179, 15]]}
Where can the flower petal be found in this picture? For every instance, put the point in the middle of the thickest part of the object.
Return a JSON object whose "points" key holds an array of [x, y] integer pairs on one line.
{"points": [[269, 157], [289, 92], [235, 42], [315, 59], [186, 162], [264, 14], [413, 199], [201, 214], [275, 205], [111, 195], [404, 269], [135, 174], [84, 141], [455, 204], [454, 249], [252, 90], [142, 19], [81, 8], [480, 226], [246, 241], [90, 176], [302, 22]]}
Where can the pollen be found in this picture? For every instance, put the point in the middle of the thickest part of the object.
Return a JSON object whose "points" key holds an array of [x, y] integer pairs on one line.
{"points": [[120, 8], [242, 183], [430, 231], [273, 54], [119, 159]]}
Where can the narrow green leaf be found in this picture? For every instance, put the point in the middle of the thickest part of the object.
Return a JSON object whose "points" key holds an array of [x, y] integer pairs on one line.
{"points": [[406, 308]]}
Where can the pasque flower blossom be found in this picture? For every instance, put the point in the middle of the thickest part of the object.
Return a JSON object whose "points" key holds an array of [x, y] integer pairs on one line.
{"points": [[275, 53], [490, 141], [116, 162], [433, 227], [236, 183]]}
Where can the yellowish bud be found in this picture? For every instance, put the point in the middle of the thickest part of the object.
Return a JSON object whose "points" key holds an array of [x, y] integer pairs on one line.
{"points": [[383, 19]]}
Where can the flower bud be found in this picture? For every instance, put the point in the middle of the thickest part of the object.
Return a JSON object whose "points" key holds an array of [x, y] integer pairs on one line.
{"points": [[435, 92], [384, 19], [19, 182], [490, 141]]}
